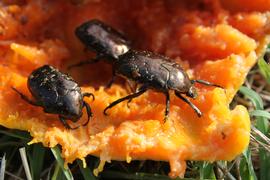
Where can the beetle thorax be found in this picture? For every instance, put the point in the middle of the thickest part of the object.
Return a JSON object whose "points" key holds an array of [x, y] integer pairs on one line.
{"points": [[179, 81]]}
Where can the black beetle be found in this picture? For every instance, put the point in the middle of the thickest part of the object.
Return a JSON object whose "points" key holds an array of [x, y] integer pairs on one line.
{"points": [[57, 93], [150, 70], [153, 71], [107, 42]]}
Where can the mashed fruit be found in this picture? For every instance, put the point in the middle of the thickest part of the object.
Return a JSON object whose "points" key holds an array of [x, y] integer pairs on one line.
{"points": [[218, 41]]}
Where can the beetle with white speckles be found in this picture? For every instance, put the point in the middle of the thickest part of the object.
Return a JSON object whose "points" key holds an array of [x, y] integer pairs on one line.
{"points": [[157, 72], [57, 93]]}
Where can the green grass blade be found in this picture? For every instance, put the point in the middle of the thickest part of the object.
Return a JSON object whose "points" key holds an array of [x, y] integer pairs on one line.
{"points": [[260, 113], [10, 143], [253, 96], [56, 172], [36, 160], [57, 155], [262, 125], [246, 168], [16, 134], [264, 68], [261, 122], [206, 170], [3, 167], [264, 164], [86, 172]]}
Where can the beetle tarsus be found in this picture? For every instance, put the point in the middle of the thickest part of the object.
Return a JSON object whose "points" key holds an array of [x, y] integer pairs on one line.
{"points": [[63, 120], [197, 110], [89, 112], [165, 119], [167, 109], [128, 97], [89, 95], [129, 101]]}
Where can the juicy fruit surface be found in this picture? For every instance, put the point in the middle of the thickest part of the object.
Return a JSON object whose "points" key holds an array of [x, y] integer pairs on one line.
{"points": [[209, 38]]}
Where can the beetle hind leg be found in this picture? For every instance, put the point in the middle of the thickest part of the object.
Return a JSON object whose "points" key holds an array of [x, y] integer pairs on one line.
{"points": [[89, 112], [128, 97], [91, 61], [24, 97], [195, 108], [111, 81]]}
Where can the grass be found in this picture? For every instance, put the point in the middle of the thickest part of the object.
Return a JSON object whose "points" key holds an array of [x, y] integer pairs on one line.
{"points": [[254, 163]]}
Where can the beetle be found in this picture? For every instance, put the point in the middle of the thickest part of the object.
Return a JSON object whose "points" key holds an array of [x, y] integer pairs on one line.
{"points": [[153, 71], [107, 42], [57, 93], [147, 69]]}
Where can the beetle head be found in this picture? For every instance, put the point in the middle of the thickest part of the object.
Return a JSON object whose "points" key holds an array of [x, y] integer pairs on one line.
{"points": [[192, 92], [74, 115], [70, 105]]}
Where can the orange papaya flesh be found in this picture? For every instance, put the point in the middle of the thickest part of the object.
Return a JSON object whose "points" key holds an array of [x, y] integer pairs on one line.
{"points": [[221, 53]]}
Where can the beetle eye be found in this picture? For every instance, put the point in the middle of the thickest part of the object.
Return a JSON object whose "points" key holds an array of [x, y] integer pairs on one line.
{"points": [[192, 92]]}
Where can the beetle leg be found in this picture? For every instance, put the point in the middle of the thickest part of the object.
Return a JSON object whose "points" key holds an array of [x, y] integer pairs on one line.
{"points": [[131, 96], [167, 110], [205, 83], [136, 90], [168, 72], [24, 97], [131, 86], [111, 81], [63, 120], [88, 95], [91, 61], [89, 112], [197, 110]]}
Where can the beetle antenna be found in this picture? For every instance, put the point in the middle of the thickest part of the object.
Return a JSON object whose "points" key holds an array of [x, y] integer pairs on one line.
{"points": [[200, 81]]}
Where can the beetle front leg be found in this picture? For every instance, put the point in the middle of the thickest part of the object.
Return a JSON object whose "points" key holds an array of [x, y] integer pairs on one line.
{"points": [[89, 112], [91, 61], [64, 122], [197, 110], [88, 95], [24, 97], [131, 96], [167, 109]]}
